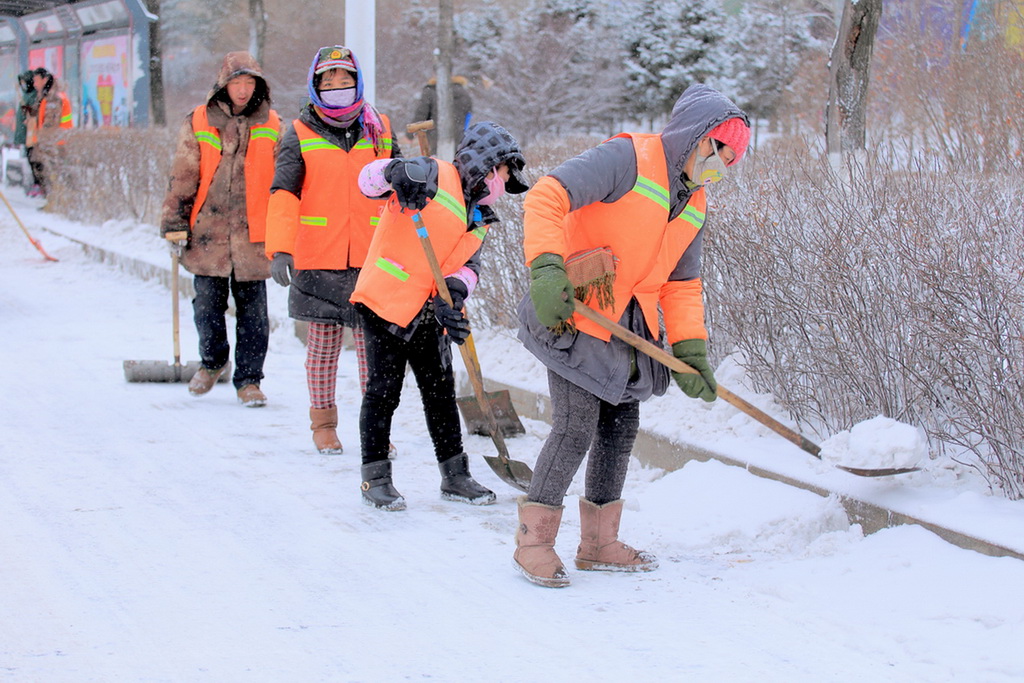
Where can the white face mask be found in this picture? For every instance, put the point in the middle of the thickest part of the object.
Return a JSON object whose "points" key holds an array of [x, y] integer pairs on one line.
{"points": [[495, 189], [709, 169], [338, 98]]}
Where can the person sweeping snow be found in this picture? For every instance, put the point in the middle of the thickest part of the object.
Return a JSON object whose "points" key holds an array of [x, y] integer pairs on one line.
{"points": [[636, 202], [404, 318], [216, 205]]}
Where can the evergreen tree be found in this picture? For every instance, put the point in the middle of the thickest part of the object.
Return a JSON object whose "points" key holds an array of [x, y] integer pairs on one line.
{"points": [[669, 45]]}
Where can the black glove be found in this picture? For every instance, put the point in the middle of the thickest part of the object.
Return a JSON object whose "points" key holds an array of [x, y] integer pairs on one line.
{"points": [[451, 320], [281, 268], [410, 179], [459, 291]]}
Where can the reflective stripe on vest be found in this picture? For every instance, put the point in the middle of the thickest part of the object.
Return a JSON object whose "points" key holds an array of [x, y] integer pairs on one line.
{"points": [[646, 253], [397, 279], [335, 220], [259, 167]]}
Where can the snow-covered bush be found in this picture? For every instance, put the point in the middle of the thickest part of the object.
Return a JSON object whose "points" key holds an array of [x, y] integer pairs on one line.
{"points": [[868, 289], [104, 173]]}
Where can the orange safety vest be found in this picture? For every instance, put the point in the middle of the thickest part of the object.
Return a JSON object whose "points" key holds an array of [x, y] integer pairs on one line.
{"points": [[396, 280], [330, 227], [646, 244], [259, 167], [65, 118]]}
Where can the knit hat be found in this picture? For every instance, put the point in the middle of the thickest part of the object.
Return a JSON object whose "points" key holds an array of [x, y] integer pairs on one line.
{"points": [[334, 57], [734, 133]]}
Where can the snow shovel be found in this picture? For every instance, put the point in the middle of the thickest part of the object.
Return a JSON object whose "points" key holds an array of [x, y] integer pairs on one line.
{"points": [[513, 472], [419, 129], [34, 241], [666, 358], [162, 371]]}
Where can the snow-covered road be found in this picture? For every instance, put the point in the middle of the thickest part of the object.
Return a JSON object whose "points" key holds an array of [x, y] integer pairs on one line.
{"points": [[149, 535]]}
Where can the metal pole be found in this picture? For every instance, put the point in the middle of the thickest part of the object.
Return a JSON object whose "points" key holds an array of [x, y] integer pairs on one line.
{"points": [[361, 38], [443, 125]]}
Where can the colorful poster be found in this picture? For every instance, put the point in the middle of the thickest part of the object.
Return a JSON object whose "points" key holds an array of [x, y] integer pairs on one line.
{"points": [[50, 58], [105, 92]]}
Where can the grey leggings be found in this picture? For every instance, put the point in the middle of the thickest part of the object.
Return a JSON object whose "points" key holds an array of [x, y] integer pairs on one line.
{"points": [[581, 419]]}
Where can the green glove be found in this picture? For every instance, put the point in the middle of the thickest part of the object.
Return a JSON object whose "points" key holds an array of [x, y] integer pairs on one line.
{"points": [[694, 352], [550, 290]]}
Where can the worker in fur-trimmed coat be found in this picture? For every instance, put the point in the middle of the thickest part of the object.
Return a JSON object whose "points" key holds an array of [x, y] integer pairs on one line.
{"points": [[216, 209]]}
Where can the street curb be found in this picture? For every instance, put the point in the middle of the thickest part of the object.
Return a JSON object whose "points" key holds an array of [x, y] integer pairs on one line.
{"points": [[652, 450]]}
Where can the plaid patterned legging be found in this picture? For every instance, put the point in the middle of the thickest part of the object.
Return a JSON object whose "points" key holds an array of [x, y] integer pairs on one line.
{"points": [[323, 346]]}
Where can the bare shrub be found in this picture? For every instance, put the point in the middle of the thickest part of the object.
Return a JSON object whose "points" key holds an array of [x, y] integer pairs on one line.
{"points": [[861, 291], [105, 173]]}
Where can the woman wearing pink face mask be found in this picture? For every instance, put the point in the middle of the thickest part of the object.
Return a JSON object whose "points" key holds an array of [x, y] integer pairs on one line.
{"points": [[404, 321], [319, 223]]}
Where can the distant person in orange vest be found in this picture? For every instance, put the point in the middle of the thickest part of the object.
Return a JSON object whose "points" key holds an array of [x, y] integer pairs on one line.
{"points": [[216, 208], [404, 319], [320, 224], [642, 197], [52, 110]]}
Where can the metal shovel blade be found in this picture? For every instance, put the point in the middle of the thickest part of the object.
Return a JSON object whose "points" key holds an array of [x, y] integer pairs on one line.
{"points": [[513, 472], [162, 371], [501, 406], [880, 472]]}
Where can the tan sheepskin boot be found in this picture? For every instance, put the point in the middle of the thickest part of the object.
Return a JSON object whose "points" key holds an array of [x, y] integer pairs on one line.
{"points": [[535, 556], [324, 423], [600, 548]]}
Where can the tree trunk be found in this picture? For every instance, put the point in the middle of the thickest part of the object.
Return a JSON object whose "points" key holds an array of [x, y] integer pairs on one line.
{"points": [[157, 102], [849, 70], [443, 125], [257, 29]]}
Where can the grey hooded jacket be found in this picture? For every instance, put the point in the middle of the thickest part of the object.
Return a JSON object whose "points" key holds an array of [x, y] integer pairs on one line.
{"points": [[612, 370]]}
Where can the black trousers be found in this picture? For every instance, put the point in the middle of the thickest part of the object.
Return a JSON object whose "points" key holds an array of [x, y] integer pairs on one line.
{"points": [[252, 325], [386, 358], [581, 421]]}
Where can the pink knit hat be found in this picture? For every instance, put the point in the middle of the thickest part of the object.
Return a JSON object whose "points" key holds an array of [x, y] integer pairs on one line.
{"points": [[734, 133]]}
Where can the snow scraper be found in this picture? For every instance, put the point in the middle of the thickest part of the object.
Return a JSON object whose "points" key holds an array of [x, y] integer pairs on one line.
{"points": [[666, 358], [162, 371]]}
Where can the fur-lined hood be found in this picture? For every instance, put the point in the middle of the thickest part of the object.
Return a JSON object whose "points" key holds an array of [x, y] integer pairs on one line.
{"points": [[237, 64]]}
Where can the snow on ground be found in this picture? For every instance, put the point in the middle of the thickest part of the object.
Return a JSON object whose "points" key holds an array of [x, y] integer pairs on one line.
{"points": [[149, 535]]}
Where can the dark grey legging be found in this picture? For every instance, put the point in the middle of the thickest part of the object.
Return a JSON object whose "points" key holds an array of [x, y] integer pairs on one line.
{"points": [[579, 419]]}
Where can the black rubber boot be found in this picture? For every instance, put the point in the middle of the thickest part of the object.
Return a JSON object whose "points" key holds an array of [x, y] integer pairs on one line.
{"points": [[377, 488], [458, 484]]}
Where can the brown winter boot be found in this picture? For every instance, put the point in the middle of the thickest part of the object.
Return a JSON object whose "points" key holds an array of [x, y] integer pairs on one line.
{"points": [[600, 548], [324, 423], [535, 556]]}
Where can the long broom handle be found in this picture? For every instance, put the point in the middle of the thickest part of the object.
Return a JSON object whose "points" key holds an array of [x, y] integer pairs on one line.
{"points": [[665, 358], [175, 324]]}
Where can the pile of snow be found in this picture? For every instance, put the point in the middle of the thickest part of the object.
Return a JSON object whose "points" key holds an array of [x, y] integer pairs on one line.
{"points": [[878, 443]]}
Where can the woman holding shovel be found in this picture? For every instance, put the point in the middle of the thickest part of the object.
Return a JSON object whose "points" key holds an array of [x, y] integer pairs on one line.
{"points": [[618, 227], [404, 318], [319, 223]]}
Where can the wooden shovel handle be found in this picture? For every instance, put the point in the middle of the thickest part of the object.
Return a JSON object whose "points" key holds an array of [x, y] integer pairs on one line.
{"points": [[419, 129], [468, 348], [665, 358]]}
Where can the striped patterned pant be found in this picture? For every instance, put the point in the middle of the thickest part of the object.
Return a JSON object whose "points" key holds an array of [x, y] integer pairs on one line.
{"points": [[323, 346]]}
